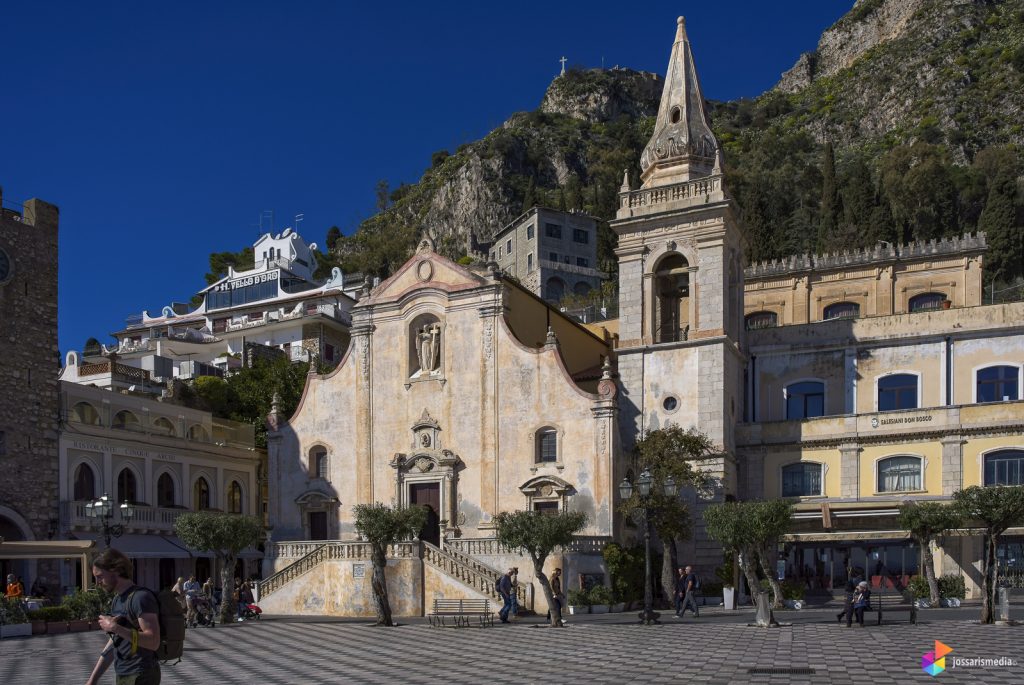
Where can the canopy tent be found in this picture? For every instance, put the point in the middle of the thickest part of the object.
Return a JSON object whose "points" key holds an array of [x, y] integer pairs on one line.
{"points": [[139, 546], [50, 549]]}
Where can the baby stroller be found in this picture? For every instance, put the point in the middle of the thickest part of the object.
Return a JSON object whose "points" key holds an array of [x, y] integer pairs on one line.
{"points": [[202, 612], [248, 611]]}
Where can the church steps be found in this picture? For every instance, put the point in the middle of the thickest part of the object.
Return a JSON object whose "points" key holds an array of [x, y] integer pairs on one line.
{"points": [[468, 571]]}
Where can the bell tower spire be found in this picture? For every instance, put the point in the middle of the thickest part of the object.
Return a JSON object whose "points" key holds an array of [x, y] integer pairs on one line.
{"points": [[683, 147]]}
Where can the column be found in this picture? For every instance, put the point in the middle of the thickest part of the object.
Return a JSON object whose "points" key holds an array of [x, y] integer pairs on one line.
{"points": [[490, 406], [952, 463], [362, 339], [849, 470]]}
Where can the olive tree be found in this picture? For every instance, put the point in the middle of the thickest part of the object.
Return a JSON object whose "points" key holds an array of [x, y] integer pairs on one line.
{"points": [[996, 509], [675, 453], [225, 535], [925, 521], [381, 526], [752, 530], [538, 534]]}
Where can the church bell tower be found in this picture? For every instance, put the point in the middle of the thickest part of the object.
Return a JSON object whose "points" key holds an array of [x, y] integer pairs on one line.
{"points": [[681, 287]]}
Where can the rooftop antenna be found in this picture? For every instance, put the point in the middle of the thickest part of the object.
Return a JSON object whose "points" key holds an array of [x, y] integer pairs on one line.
{"points": [[563, 61], [298, 217]]}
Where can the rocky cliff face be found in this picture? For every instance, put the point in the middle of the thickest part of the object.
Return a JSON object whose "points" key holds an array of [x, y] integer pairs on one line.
{"points": [[598, 95], [869, 23]]}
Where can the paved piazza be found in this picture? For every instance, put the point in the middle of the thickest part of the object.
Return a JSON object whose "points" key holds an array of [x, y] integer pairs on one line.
{"points": [[591, 649]]}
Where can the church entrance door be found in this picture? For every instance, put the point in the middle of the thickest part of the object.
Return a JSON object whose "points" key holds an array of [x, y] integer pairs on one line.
{"points": [[318, 525], [428, 496]]}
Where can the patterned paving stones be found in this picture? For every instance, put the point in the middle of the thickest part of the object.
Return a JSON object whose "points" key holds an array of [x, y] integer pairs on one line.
{"points": [[590, 650]]}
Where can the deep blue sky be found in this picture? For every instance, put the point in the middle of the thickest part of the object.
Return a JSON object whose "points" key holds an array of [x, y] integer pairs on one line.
{"points": [[163, 130]]}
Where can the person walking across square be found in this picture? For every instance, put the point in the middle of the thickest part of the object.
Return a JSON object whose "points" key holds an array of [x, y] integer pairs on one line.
{"points": [[690, 586], [505, 590], [680, 591]]}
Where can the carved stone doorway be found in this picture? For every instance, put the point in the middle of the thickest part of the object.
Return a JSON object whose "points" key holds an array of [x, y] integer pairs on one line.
{"points": [[428, 496], [318, 525]]}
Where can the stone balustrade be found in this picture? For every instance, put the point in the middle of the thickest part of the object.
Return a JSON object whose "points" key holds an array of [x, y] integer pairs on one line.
{"points": [[684, 192]]}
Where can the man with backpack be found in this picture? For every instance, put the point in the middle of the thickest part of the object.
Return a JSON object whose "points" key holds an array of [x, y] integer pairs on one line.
{"points": [[133, 624], [691, 583], [504, 588]]}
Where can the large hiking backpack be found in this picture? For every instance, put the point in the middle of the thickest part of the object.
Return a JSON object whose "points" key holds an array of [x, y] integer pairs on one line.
{"points": [[172, 625], [497, 585]]}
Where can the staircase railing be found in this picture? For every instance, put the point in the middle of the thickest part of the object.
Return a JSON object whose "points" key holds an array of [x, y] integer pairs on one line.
{"points": [[468, 571], [329, 551]]}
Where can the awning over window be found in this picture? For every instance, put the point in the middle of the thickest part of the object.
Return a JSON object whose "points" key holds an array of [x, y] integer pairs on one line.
{"points": [[137, 546], [847, 536]]}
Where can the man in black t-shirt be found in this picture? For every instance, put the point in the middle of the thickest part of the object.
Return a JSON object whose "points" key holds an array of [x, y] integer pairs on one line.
{"points": [[690, 596], [133, 624]]}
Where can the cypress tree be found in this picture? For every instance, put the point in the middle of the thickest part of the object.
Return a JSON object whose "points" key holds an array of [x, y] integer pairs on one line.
{"points": [[829, 219], [999, 221]]}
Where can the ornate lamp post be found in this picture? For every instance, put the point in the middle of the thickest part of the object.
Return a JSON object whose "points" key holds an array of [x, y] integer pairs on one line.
{"points": [[102, 510], [643, 487]]}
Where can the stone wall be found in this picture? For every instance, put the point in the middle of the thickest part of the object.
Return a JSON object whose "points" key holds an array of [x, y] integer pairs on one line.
{"points": [[28, 375]]}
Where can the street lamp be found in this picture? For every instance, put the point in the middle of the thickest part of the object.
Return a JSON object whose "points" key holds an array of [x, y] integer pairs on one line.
{"points": [[643, 487], [102, 510]]}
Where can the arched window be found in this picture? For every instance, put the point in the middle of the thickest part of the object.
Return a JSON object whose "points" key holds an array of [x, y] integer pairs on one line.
{"points": [[1004, 467], [802, 480], [125, 420], [201, 495], [127, 489], [83, 412], [547, 445], [85, 483], [554, 289], [841, 310], [581, 289], [198, 433], [235, 498], [165, 491], [927, 302], [998, 384], [898, 391], [671, 298], [758, 320], [899, 474], [318, 464], [163, 426], [805, 400]]}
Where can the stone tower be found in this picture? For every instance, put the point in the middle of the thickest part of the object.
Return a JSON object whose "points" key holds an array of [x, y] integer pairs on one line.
{"points": [[29, 362], [681, 287]]}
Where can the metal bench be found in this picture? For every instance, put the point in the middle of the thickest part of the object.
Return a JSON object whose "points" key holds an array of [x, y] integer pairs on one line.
{"points": [[461, 611], [893, 603]]}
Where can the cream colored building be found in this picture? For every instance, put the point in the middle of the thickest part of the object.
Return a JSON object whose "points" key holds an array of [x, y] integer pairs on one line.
{"points": [[163, 458]]}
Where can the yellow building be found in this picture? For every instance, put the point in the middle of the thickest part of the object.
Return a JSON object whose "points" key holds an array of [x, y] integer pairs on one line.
{"points": [[874, 378]]}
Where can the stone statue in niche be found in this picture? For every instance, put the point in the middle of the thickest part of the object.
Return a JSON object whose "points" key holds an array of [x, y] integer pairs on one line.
{"points": [[429, 347], [425, 439]]}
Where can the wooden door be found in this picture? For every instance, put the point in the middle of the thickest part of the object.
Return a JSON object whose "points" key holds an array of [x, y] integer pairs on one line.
{"points": [[428, 496]]}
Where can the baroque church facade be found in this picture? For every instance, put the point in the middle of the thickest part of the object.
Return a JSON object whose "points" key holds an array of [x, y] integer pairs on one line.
{"points": [[850, 383]]}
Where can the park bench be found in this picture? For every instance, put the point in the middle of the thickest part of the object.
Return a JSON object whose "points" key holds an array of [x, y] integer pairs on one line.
{"points": [[886, 603], [461, 611]]}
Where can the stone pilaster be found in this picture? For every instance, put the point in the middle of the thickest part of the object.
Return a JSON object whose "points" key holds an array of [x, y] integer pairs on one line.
{"points": [[362, 338], [849, 471], [489, 409], [952, 463]]}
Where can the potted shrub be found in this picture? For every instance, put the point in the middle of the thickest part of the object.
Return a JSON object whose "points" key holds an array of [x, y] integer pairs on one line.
{"points": [[579, 602], [13, 620], [793, 594], [56, 619], [952, 589], [725, 573], [85, 608], [600, 599], [38, 622]]}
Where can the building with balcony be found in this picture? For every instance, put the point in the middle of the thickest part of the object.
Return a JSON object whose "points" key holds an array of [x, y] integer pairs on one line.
{"points": [[911, 392], [278, 305], [165, 460]]}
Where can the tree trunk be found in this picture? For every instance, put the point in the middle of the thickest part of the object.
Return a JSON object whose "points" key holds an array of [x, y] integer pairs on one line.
{"points": [[668, 569], [228, 605], [545, 585], [747, 565], [988, 587], [929, 572], [763, 555], [379, 583]]}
